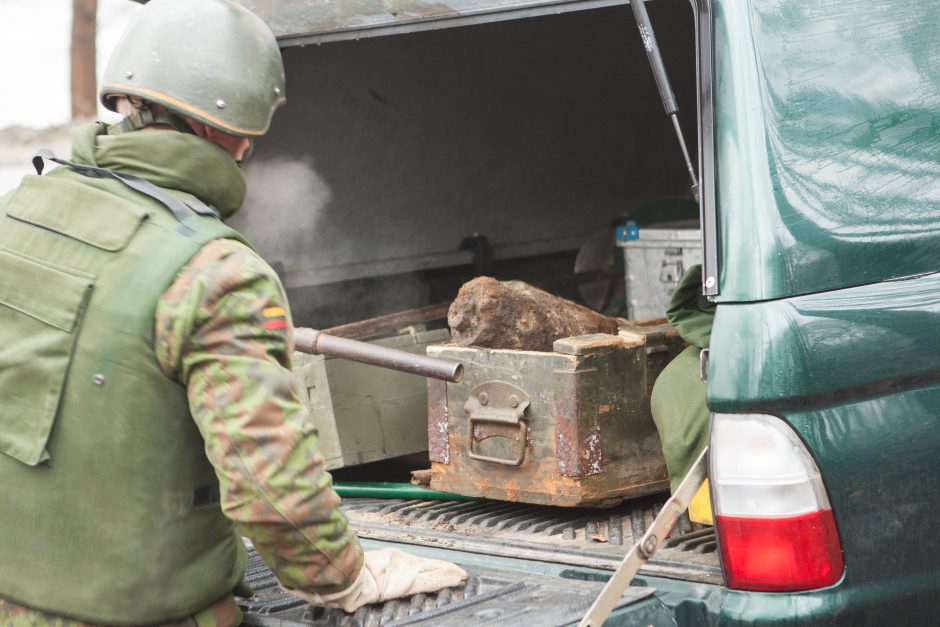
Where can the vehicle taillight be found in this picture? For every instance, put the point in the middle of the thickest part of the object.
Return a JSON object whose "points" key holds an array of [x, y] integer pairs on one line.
{"points": [[774, 522]]}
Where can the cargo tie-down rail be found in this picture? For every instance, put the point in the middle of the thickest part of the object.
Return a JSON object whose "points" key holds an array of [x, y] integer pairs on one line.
{"points": [[651, 540]]}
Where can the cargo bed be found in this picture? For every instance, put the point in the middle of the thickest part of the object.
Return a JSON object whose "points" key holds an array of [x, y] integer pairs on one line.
{"points": [[564, 553], [490, 596]]}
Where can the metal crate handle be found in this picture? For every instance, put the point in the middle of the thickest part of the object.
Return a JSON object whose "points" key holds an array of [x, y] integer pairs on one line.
{"points": [[498, 402]]}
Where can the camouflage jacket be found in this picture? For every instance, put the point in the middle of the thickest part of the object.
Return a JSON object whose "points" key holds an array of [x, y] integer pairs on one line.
{"points": [[223, 330]]}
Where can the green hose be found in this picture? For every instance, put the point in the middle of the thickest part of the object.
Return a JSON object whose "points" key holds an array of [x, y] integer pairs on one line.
{"points": [[356, 489]]}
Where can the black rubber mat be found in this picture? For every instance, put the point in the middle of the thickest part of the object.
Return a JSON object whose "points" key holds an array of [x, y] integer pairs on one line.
{"points": [[488, 597], [593, 538]]}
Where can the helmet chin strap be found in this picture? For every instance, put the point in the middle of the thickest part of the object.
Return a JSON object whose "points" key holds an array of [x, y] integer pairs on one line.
{"points": [[248, 153], [145, 117]]}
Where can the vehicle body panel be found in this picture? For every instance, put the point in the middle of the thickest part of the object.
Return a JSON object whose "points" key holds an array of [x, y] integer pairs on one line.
{"points": [[822, 348], [827, 160], [827, 143]]}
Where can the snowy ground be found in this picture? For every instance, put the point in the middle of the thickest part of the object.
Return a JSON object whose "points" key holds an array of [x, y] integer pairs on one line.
{"points": [[34, 76], [34, 56], [18, 145]]}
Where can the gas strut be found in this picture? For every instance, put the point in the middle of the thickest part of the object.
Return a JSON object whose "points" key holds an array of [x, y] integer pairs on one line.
{"points": [[662, 81]]}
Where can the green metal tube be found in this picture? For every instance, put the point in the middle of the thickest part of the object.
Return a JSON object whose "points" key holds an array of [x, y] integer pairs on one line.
{"points": [[356, 489]]}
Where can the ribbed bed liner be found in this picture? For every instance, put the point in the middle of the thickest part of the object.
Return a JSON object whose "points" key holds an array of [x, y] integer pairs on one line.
{"points": [[488, 597], [594, 539]]}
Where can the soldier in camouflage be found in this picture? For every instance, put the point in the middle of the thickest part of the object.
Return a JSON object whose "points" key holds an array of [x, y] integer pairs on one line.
{"points": [[181, 377]]}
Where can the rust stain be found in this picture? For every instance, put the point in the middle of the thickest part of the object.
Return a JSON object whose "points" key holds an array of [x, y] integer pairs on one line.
{"points": [[438, 431], [567, 459], [578, 450], [592, 453]]}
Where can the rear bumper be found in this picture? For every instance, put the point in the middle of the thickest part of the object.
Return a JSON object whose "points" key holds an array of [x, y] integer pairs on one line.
{"points": [[905, 602]]}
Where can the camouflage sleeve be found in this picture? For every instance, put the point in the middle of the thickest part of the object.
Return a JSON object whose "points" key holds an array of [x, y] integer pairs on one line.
{"points": [[223, 329]]}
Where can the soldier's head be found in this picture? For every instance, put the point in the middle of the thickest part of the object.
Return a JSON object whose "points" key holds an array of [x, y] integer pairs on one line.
{"points": [[210, 67]]}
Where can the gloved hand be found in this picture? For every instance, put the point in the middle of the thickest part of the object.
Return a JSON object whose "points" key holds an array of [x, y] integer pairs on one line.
{"points": [[390, 574]]}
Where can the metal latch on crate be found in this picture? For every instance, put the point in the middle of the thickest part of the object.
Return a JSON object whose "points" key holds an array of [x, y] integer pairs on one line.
{"points": [[500, 403], [671, 271]]}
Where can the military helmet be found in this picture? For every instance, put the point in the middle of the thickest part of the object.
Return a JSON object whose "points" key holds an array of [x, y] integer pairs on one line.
{"points": [[210, 60]]}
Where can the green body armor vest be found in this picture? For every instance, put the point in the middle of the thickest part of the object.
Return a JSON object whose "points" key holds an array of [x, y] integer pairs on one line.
{"points": [[108, 506]]}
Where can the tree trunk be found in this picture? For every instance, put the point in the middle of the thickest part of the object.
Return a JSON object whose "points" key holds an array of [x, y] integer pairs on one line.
{"points": [[512, 314], [84, 93]]}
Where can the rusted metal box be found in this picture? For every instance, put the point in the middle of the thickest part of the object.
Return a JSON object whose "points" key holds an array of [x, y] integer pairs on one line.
{"points": [[364, 413], [571, 427]]}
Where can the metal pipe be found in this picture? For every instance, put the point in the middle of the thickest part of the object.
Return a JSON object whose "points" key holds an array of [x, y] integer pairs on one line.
{"points": [[662, 81], [318, 343], [351, 489], [685, 155]]}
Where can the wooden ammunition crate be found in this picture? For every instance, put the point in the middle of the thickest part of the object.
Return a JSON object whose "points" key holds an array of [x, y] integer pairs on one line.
{"points": [[366, 413], [571, 427]]}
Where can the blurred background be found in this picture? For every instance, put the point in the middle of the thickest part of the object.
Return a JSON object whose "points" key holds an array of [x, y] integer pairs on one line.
{"points": [[51, 55]]}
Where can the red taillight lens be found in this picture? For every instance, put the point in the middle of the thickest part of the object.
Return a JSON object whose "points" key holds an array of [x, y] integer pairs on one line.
{"points": [[780, 554], [775, 526]]}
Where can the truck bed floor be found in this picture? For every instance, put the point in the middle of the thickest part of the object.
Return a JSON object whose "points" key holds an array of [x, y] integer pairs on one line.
{"points": [[590, 538], [492, 540], [488, 597]]}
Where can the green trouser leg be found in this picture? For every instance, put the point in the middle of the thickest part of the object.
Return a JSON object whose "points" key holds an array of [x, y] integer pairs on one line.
{"points": [[680, 413]]}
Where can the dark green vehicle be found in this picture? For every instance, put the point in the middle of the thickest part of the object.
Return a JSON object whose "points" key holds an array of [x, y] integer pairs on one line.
{"points": [[499, 145]]}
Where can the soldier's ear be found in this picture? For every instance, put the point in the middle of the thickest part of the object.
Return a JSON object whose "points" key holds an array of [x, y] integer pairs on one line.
{"points": [[248, 152], [200, 129]]}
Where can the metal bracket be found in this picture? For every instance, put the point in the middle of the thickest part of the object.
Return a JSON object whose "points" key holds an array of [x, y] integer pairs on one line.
{"points": [[498, 402], [671, 271], [646, 547], [703, 365]]}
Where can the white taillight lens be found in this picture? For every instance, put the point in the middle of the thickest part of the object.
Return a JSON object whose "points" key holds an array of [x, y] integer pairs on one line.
{"points": [[775, 525], [766, 471]]}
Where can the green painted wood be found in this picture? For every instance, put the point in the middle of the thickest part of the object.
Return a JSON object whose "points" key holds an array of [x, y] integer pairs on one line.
{"points": [[365, 413]]}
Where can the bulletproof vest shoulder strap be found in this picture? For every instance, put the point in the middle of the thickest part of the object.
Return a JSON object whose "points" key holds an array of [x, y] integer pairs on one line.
{"points": [[176, 207]]}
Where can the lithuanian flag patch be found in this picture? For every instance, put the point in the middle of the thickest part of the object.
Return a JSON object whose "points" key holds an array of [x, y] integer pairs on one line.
{"points": [[274, 318]]}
